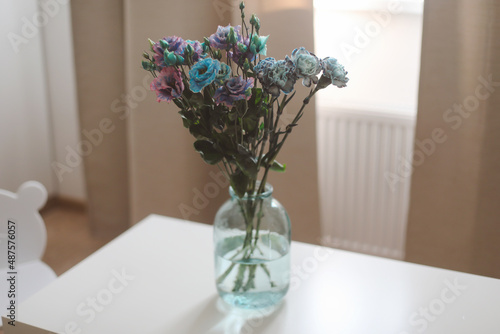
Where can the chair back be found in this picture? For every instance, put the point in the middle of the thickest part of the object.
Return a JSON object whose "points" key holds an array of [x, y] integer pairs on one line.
{"points": [[21, 224]]}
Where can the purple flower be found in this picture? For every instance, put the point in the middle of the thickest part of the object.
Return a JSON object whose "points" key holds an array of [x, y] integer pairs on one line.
{"points": [[175, 44], [234, 89], [242, 52], [219, 40], [168, 85], [197, 50]]}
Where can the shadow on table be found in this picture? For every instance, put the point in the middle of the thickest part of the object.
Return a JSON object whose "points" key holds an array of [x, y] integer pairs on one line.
{"points": [[216, 317]]}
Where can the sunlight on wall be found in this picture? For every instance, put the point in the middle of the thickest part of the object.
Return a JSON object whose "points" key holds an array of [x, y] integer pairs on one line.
{"points": [[273, 6], [379, 44]]}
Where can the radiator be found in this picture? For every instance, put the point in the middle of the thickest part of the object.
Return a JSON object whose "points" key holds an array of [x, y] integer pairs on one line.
{"points": [[364, 182]]}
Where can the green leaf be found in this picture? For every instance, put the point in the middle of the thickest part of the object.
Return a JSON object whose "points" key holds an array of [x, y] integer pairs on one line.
{"points": [[239, 183], [247, 165], [277, 167], [208, 151], [186, 122], [226, 143], [178, 103], [197, 100], [249, 123], [232, 116], [207, 96]]}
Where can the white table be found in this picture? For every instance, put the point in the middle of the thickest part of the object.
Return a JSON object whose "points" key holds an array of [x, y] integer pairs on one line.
{"points": [[158, 278]]}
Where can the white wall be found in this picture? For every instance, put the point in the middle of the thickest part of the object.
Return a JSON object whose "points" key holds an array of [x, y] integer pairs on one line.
{"points": [[25, 140], [38, 111]]}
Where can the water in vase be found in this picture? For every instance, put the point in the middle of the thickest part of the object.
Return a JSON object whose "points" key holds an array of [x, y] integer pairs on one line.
{"points": [[255, 276]]}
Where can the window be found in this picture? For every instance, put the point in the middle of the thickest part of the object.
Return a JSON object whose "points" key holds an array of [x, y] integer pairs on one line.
{"points": [[379, 43]]}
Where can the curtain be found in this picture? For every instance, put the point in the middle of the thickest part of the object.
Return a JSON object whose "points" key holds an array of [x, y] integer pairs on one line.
{"points": [[26, 150], [454, 217], [98, 35]]}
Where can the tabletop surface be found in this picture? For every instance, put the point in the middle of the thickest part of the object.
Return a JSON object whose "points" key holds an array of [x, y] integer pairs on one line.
{"points": [[157, 277]]}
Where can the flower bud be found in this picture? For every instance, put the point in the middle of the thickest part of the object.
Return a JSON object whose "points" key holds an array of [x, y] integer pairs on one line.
{"points": [[170, 58], [246, 65], [146, 55], [242, 47], [163, 44], [242, 5], [189, 49], [231, 37], [206, 41], [179, 60], [254, 21], [217, 55], [151, 44], [146, 65]]}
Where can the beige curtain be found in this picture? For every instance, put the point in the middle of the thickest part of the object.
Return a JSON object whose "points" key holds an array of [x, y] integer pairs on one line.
{"points": [[98, 44], [454, 218], [166, 175]]}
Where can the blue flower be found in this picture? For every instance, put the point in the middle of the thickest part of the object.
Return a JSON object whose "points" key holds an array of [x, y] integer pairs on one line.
{"points": [[307, 66], [223, 75], [258, 45], [276, 75], [242, 52], [234, 89], [262, 71], [203, 73], [333, 70]]}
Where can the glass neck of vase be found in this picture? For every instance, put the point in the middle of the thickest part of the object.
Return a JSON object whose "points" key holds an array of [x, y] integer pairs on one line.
{"points": [[267, 193]]}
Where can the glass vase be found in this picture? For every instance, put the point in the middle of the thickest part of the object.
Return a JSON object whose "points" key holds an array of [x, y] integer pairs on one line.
{"points": [[252, 250]]}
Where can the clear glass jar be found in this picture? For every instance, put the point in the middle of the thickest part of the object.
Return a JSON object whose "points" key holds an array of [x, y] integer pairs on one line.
{"points": [[252, 250]]}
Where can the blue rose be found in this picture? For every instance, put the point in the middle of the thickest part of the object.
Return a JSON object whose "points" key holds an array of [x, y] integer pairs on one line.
{"points": [[203, 73], [307, 66], [333, 70]]}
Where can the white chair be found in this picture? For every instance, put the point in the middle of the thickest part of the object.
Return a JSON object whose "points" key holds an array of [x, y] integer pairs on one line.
{"points": [[28, 238]]}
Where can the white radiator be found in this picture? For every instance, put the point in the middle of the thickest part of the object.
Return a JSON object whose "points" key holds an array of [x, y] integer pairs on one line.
{"points": [[364, 186]]}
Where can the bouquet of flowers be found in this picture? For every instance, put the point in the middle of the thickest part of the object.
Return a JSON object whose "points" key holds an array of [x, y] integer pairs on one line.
{"points": [[231, 99]]}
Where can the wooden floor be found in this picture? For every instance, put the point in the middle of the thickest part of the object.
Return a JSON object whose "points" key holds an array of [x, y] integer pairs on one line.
{"points": [[69, 240]]}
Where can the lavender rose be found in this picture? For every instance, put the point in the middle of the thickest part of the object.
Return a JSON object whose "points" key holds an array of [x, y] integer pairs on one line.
{"points": [[220, 39], [172, 44], [235, 89], [168, 85]]}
